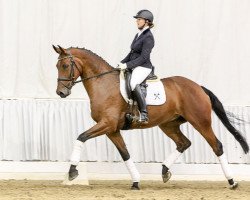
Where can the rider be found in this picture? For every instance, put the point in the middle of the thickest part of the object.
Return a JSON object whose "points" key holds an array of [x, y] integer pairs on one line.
{"points": [[138, 59]]}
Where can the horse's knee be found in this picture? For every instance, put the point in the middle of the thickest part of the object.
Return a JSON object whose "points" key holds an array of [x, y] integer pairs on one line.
{"points": [[183, 146]]}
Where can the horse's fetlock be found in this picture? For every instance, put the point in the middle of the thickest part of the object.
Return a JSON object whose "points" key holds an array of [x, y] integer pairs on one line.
{"points": [[219, 148]]}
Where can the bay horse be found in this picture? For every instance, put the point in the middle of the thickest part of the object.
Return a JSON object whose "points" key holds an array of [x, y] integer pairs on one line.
{"points": [[186, 102]]}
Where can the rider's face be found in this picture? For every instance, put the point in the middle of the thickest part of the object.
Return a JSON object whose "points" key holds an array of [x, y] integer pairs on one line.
{"points": [[140, 23]]}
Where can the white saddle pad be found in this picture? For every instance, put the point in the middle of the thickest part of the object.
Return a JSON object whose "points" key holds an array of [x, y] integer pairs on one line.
{"points": [[155, 91]]}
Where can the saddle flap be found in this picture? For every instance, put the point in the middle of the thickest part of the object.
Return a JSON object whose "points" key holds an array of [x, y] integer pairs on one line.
{"points": [[127, 75], [143, 85], [155, 91]]}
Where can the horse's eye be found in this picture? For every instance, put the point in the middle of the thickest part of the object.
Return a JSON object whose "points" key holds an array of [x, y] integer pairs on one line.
{"points": [[65, 66]]}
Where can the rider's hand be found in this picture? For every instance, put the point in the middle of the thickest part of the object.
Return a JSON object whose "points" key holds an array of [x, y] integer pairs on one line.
{"points": [[122, 66]]}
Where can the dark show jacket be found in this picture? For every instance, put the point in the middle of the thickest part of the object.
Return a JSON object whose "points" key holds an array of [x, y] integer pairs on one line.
{"points": [[141, 48]]}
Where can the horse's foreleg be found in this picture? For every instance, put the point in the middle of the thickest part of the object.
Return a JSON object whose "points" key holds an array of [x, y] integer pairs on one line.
{"points": [[97, 130], [118, 141]]}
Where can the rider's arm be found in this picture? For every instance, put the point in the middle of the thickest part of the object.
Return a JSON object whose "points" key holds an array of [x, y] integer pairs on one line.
{"points": [[126, 59]]}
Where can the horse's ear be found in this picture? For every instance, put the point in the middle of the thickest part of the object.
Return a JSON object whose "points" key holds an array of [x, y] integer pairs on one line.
{"points": [[57, 50], [62, 50]]}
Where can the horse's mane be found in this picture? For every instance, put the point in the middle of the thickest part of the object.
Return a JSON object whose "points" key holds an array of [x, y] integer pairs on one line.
{"points": [[91, 53]]}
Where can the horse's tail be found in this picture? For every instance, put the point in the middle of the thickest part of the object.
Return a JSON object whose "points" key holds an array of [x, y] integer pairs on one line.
{"points": [[221, 113]]}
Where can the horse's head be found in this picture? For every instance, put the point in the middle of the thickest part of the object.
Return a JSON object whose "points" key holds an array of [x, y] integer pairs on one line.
{"points": [[68, 71]]}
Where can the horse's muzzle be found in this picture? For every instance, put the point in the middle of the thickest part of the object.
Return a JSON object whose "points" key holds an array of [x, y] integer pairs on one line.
{"points": [[63, 93]]}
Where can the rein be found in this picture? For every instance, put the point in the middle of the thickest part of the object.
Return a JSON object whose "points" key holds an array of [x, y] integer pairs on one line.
{"points": [[72, 75], [97, 76]]}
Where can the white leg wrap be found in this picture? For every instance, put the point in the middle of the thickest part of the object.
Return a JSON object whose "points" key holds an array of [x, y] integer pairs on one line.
{"points": [[171, 159], [225, 167], [132, 170], [76, 153]]}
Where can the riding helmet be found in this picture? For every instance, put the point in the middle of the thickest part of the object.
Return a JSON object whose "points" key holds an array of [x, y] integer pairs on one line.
{"points": [[145, 14]]}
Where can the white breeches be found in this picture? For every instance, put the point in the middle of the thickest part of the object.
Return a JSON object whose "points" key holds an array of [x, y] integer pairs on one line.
{"points": [[139, 74]]}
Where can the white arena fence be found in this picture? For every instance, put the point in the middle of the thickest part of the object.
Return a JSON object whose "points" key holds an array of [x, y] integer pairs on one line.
{"points": [[45, 130]]}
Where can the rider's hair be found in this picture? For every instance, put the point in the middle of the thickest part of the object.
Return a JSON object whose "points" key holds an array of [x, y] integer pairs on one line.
{"points": [[150, 24]]}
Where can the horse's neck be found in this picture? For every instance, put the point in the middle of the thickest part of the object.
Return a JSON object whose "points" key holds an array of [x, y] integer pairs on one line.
{"points": [[94, 65], [99, 87]]}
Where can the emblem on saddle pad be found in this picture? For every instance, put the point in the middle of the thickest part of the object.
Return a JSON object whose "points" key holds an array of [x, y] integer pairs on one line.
{"points": [[152, 89], [157, 96]]}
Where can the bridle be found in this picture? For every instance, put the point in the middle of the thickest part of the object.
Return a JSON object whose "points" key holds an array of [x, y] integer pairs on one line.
{"points": [[72, 74]]}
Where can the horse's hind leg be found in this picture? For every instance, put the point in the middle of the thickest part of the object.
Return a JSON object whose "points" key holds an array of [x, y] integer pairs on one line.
{"points": [[217, 147], [118, 141], [203, 125], [182, 143]]}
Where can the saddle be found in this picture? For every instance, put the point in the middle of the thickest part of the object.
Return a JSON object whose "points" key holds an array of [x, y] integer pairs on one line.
{"points": [[130, 116], [143, 85]]}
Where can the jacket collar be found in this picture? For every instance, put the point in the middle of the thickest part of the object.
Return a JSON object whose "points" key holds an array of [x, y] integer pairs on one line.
{"points": [[142, 30], [143, 33]]}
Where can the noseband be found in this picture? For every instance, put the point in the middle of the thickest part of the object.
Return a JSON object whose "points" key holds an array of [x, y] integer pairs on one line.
{"points": [[72, 74]]}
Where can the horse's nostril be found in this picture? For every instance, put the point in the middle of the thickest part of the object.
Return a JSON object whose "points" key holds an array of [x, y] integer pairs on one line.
{"points": [[62, 95]]}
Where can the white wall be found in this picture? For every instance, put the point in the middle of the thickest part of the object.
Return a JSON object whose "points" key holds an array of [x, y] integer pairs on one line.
{"points": [[205, 40]]}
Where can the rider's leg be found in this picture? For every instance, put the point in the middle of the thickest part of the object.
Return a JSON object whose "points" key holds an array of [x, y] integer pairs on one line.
{"points": [[139, 74], [140, 98]]}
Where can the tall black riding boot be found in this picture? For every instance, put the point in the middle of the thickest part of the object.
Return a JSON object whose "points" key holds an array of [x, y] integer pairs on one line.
{"points": [[140, 98]]}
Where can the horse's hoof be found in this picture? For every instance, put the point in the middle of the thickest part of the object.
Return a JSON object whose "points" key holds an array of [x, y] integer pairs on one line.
{"points": [[73, 175], [234, 186], [135, 186], [166, 176]]}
